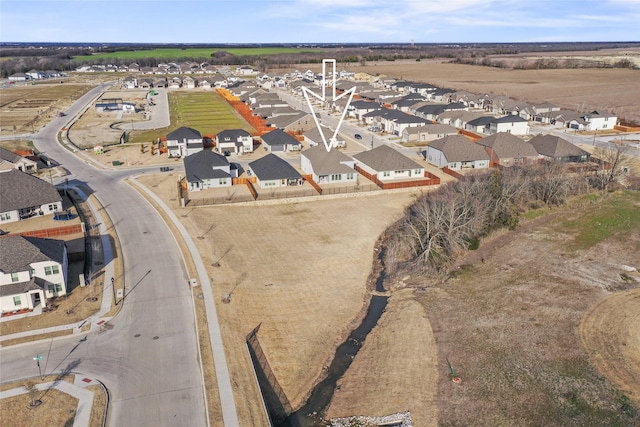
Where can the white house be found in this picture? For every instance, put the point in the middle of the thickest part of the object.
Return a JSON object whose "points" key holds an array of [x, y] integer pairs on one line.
{"points": [[237, 141], [511, 123], [32, 270], [24, 196], [17, 161], [206, 169], [456, 152], [388, 165], [184, 142], [328, 167], [599, 121]]}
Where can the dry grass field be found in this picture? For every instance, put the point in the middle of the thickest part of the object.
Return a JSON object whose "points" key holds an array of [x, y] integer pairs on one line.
{"points": [[576, 89], [299, 270], [509, 321]]}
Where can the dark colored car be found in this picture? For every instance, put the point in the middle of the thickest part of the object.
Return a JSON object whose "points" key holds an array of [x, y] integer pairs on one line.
{"points": [[357, 136]]}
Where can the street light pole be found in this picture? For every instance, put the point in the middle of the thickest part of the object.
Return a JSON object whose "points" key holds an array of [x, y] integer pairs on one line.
{"points": [[113, 287]]}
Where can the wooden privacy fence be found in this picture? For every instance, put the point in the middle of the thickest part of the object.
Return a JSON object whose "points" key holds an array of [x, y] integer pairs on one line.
{"points": [[429, 179], [53, 232]]}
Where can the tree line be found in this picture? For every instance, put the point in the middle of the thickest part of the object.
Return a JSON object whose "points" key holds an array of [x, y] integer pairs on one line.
{"points": [[442, 225]]}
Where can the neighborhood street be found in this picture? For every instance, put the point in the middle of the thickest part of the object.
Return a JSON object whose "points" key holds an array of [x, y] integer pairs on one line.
{"points": [[147, 356]]}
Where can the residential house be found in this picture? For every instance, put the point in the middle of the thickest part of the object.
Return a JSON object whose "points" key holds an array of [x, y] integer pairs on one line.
{"points": [[600, 120], [387, 164], [506, 149], [206, 169], [130, 83], [480, 124], [24, 196], [456, 152], [32, 270], [328, 167], [554, 148], [359, 108], [511, 124], [184, 142], [273, 172], [295, 123], [188, 82], [237, 141], [279, 140], [314, 137], [17, 161], [428, 132], [18, 77]]}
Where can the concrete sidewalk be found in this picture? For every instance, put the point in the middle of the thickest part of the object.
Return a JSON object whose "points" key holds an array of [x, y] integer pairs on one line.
{"points": [[78, 390]]}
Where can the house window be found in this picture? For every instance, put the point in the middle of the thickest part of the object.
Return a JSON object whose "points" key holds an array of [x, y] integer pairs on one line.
{"points": [[17, 301], [336, 177], [5, 216], [55, 269], [223, 181], [58, 287], [417, 172], [14, 277], [47, 271], [51, 288], [52, 207], [386, 173], [349, 176]]}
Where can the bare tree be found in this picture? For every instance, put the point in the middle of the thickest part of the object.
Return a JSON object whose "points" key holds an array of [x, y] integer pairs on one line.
{"points": [[614, 162]]}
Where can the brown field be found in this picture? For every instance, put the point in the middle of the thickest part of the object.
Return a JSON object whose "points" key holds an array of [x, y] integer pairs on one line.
{"points": [[582, 90], [27, 107], [610, 333], [299, 270], [510, 325]]}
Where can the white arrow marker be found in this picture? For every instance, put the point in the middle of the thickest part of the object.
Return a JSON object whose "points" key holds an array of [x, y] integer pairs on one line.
{"points": [[306, 91]]}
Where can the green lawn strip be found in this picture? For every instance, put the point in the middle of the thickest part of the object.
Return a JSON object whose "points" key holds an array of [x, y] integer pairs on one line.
{"points": [[207, 112], [175, 53], [617, 213]]}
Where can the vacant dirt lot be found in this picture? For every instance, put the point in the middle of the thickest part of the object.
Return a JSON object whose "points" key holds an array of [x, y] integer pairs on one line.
{"points": [[94, 128], [576, 89]]}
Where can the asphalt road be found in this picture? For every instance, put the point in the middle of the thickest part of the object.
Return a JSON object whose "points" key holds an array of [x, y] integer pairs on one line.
{"points": [[148, 358]]}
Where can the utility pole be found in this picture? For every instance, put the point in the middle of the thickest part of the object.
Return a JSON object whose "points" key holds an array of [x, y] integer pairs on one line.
{"points": [[113, 287]]}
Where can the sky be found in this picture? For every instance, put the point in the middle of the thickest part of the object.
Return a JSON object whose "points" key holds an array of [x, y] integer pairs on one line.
{"points": [[318, 21]]}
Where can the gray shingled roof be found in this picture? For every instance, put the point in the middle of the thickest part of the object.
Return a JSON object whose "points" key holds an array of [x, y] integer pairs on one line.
{"points": [[555, 147], [457, 148], [279, 137], [184, 133], [272, 167], [200, 166], [17, 252], [20, 190], [9, 156], [385, 158], [327, 162], [506, 145]]}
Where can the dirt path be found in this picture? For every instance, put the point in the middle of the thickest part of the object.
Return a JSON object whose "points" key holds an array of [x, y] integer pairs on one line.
{"points": [[610, 333]]}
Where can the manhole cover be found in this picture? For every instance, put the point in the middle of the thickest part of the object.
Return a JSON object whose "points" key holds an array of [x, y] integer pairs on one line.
{"points": [[136, 336], [156, 337]]}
